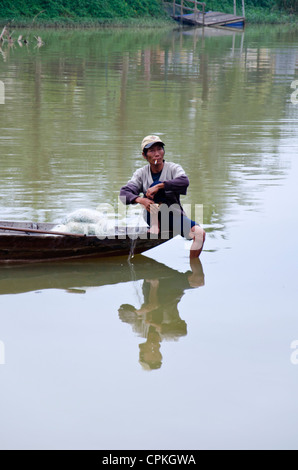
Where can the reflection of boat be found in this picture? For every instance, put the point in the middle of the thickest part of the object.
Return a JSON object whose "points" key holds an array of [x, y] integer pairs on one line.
{"points": [[26, 241], [219, 31], [156, 320], [80, 274]]}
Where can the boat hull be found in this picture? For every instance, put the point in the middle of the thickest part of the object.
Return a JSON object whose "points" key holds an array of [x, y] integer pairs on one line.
{"points": [[33, 247]]}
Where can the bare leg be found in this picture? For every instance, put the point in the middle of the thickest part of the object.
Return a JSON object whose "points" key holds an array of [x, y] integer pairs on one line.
{"points": [[198, 235], [197, 277], [154, 228]]}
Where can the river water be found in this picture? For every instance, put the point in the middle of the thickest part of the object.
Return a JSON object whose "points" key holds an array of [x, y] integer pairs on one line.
{"points": [[155, 352]]}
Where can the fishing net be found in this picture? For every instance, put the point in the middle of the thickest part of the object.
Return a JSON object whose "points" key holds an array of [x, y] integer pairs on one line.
{"points": [[87, 222]]}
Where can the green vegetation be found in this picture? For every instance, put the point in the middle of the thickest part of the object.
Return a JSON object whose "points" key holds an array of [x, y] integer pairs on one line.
{"points": [[257, 11], [85, 12], [80, 8], [131, 12], [289, 5]]}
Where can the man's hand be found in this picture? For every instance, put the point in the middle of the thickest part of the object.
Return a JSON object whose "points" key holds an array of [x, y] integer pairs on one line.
{"points": [[153, 190], [145, 202]]}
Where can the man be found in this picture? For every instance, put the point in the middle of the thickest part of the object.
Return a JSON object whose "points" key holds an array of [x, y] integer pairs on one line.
{"points": [[162, 183]]}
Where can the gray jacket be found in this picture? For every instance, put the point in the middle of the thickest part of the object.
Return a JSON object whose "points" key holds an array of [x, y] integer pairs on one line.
{"points": [[172, 175]]}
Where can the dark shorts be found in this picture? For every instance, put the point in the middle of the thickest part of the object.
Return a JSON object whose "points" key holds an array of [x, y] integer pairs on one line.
{"points": [[175, 221], [178, 224]]}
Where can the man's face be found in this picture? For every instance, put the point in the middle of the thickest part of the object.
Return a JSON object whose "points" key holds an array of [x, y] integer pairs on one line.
{"points": [[155, 154]]}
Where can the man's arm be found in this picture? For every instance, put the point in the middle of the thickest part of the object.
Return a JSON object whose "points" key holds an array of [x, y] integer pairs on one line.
{"points": [[153, 190], [178, 182], [129, 193], [177, 185], [132, 189]]}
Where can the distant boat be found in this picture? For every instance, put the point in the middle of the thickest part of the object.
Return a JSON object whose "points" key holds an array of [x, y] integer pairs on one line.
{"points": [[211, 19], [197, 15], [31, 242]]}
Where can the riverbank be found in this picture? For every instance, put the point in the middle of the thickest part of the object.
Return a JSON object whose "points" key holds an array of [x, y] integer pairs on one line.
{"points": [[87, 22], [253, 17], [95, 13]]}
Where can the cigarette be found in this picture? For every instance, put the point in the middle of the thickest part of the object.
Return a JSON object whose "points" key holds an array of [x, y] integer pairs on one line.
{"points": [[155, 162]]}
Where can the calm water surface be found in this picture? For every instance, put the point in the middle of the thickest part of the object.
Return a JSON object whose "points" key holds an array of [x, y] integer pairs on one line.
{"points": [[154, 353]]}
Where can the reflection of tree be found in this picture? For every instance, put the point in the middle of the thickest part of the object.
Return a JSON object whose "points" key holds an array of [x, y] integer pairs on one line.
{"points": [[158, 317], [80, 105]]}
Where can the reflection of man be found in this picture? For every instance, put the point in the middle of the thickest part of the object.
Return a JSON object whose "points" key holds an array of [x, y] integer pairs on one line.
{"points": [[158, 318]]}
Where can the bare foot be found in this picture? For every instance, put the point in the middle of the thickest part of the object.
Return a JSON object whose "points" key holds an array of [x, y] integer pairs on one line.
{"points": [[198, 235]]}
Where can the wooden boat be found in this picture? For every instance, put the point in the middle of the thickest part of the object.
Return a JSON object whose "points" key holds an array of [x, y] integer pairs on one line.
{"points": [[211, 19], [28, 241]]}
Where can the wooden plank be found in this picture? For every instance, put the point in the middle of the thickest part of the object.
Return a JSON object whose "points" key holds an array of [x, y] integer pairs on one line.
{"points": [[223, 19], [203, 18], [211, 18], [45, 232]]}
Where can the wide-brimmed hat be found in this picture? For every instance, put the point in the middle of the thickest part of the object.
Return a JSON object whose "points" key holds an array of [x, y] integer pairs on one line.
{"points": [[150, 140]]}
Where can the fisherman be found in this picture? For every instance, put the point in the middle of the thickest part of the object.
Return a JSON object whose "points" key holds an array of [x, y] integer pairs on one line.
{"points": [[162, 183]]}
